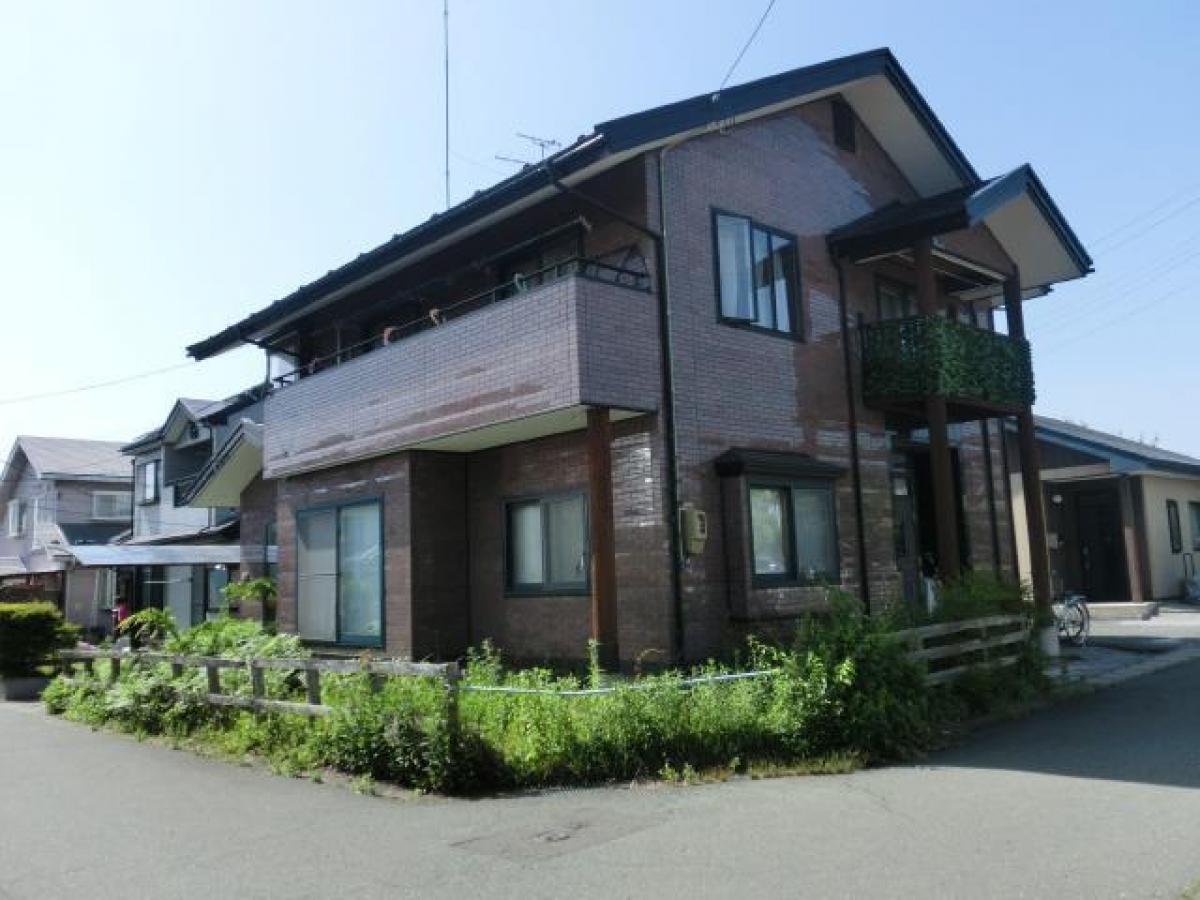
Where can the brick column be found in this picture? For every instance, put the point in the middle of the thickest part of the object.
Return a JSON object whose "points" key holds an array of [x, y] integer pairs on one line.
{"points": [[945, 499], [1031, 470], [601, 536]]}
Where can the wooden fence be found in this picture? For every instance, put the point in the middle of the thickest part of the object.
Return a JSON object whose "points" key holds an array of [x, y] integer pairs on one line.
{"points": [[447, 673], [948, 649], [951, 648]]}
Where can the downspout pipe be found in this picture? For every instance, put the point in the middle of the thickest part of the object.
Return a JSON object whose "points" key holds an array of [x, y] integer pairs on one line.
{"points": [[658, 238], [855, 464]]}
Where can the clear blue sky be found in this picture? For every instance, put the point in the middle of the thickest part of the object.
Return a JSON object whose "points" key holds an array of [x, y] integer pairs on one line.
{"points": [[167, 167]]}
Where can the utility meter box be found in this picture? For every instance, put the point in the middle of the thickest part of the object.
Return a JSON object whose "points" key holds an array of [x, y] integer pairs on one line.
{"points": [[693, 523]]}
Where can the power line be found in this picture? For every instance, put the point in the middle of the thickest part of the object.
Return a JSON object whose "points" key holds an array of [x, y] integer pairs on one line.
{"points": [[1154, 270], [95, 385], [1108, 235], [746, 46], [1141, 307]]}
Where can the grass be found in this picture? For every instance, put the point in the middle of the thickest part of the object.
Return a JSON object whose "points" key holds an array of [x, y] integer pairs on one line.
{"points": [[841, 696]]}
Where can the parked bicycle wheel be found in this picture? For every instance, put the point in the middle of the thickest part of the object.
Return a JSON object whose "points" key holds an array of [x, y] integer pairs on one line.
{"points": [[1073, 621]]}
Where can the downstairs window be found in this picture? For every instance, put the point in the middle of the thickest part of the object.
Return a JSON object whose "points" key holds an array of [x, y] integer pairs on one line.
{"points": [[339, 574]]}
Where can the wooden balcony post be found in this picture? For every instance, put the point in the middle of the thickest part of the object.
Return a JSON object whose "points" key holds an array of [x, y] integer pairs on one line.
{"points": [[945, 499], [1031, 472], [602, 539]]}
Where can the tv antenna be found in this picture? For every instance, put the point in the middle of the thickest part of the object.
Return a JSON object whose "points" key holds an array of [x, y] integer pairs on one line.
{"points": [[543, 144], [446, 74]]}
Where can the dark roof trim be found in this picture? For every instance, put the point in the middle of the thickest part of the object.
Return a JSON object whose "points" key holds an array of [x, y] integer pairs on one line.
{"points": [[697, 112], [615, 136], [744, 461], [896, 226], [1124, 457]]}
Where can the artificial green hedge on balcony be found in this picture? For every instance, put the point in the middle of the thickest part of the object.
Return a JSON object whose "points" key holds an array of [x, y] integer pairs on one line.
{"points": [[908, 360]]}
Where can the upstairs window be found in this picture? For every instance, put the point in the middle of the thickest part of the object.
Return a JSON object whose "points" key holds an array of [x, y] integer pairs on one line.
{"points": [[547, 545], [793, 533], [147, 481], [757, 274], [1173, 526], [896, 299], [111, 506], [16, 518]]}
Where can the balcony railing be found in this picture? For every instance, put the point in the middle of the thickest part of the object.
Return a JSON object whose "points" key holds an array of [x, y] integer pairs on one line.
{"points": [[518, 284], [906, 361]]}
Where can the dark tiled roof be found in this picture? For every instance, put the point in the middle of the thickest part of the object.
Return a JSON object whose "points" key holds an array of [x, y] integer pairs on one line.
{"points": [[611, 137], [1155, 457]]}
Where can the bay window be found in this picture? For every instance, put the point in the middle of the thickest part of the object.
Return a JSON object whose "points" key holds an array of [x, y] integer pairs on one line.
{"points": [[546, 545], [757, 278], [339, 574], [793, 532]]}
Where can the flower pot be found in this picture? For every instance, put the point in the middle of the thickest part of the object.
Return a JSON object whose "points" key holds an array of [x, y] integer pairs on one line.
{"points": [[1048, 640], [25, 687]]}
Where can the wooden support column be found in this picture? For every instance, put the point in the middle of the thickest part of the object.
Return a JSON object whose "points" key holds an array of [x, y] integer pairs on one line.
{"points": [[1031, 471], [945, 499], [1134, 564], [601, 537]]}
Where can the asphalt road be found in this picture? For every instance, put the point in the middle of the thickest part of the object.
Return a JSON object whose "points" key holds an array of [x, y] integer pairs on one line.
{"points": [[1098, 797]]}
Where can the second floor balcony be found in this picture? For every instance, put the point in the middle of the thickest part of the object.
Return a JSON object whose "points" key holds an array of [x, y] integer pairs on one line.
{"points": [[520, 361], [978, 372]]}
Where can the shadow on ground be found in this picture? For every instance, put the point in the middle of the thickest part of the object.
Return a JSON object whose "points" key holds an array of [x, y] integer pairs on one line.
{"points": [[1146, 731]]}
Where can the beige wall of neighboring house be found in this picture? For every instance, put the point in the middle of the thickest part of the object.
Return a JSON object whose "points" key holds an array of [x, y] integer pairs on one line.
{"points": [[1166, 566]]}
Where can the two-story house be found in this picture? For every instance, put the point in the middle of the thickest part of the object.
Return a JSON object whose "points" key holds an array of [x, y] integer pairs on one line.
{"points": [[183, 545], [666, 386], [57, 495]]}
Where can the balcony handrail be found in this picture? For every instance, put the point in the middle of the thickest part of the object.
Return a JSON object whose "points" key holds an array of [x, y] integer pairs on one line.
{"points": [[519, 283]]}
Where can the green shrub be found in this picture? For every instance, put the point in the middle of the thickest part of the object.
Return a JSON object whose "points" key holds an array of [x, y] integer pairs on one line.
{"points": [[977, 594], [843, 692], [398, 733], [29, 635]]}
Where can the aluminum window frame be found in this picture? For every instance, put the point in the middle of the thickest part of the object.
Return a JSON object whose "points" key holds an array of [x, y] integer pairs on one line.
{"points": [[546, 588], [340, 639], [795, 305], [794, 577]]}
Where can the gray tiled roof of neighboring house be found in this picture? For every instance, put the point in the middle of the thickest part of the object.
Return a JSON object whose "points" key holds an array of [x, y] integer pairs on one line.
{"points": [[71, 456], [1149, 453]]}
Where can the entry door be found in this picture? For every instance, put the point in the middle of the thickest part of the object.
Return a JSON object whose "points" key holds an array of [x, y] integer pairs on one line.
{"points": [[905, 535], [1101, 556]]}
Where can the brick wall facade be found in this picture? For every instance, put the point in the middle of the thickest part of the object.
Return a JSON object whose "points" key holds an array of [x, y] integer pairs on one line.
{"points": [[734, 387]]}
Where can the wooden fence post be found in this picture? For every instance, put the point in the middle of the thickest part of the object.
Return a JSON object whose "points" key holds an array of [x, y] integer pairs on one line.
{"points": [[214, 678], [258, 683], [452, 678], [114, 668], [312, 682]]}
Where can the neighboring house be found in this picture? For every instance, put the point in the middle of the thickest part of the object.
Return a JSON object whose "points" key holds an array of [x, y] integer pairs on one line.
{"points": [[1123, 516], [57, 495], [183, 546], [664, 387]]}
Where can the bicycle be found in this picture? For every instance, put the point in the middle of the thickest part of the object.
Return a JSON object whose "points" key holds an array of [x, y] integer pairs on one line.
{"points": [[1073, 619]]}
